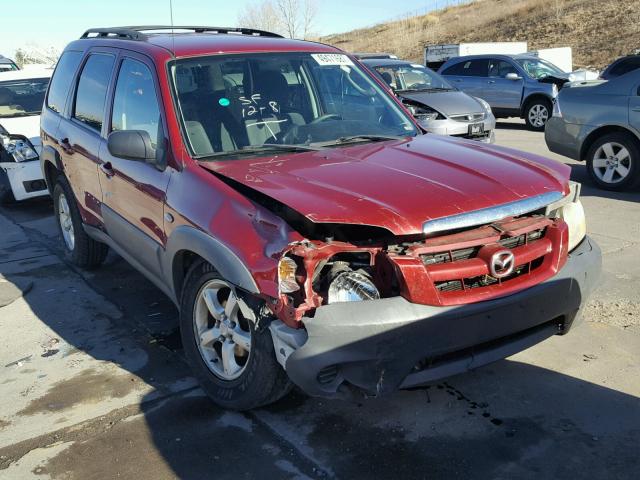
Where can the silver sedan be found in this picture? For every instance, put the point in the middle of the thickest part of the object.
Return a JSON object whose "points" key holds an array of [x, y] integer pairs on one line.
{"points": [[438, 106], [599, 122]]}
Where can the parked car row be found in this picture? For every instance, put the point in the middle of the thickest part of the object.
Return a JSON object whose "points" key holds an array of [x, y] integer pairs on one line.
{"points": [[307, 228]]}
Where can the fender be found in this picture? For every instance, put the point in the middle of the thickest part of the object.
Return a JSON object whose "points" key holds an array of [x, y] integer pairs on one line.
{"points": [[227, 263], [49, 155]]}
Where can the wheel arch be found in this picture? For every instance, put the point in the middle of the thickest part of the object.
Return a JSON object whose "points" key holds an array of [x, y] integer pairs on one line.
{"points": [[187, 245], [605, 130], [532, 97], [51, 165]]}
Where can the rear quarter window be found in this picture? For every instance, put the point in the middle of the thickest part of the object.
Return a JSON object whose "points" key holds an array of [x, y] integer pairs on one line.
{"points": [[92, 90], [62, 79]]}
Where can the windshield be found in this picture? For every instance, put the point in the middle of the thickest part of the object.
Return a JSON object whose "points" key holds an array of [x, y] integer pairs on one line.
{"points": [[538, 69], [233, 103], [412, 77], [22, 97]]}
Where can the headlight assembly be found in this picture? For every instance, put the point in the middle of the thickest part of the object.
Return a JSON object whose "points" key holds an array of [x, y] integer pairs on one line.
{"points": [[287, 282], [573, 215], [484, 104], [570, 209], [20, 149], [350, 286]]}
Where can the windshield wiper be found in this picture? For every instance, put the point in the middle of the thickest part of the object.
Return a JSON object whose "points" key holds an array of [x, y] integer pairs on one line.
{"points": [[261, 149], [360, 138]]}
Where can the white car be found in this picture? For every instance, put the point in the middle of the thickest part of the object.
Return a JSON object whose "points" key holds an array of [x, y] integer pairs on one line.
{"points": [[21, 97]]}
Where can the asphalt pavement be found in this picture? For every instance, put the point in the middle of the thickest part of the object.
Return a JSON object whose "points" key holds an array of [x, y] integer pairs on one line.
{"points": [[93, 383]]}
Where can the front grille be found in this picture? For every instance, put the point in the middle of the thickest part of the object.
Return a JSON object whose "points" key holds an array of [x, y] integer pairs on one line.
{"points": [[484, 280], [469, 117], [327, 374], [472, 252]]}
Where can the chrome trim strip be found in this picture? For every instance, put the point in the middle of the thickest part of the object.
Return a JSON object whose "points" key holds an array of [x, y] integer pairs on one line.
{"points": [[491, 214]]}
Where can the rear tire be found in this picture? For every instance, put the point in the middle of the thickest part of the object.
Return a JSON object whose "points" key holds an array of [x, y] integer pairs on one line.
{"points": [[248, 376], [80, 249], [613, 162], [536, 113]]}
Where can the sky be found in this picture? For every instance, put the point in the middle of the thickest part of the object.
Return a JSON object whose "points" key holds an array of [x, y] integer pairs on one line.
{"points": [[56, 22]]}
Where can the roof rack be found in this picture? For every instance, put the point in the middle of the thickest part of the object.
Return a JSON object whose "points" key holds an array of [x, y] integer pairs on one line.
{"points": [[138, 32]]}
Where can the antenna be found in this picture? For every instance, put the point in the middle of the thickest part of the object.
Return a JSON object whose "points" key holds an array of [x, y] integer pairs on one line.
{"points": [[173, 34]]}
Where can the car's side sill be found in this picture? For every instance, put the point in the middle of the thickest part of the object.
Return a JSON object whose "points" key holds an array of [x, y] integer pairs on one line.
{"points": [[101, 236]]}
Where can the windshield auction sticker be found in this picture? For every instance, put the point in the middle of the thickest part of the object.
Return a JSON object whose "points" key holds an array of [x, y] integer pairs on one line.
{"points": [[335, 59]]}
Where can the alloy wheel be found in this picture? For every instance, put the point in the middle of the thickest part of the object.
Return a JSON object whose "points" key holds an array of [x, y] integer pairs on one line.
{"points": [[538, 115], [222, 334], [611, 162], [66, 222]]}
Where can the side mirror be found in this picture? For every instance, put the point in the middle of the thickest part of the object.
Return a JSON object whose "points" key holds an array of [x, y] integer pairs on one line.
{"points": [[512, 76], [132, 145]]}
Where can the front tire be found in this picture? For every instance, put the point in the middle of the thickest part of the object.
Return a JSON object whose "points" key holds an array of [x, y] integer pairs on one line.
{"points": [[234, 363], [613, 162], [536, 114], [80, 249]]}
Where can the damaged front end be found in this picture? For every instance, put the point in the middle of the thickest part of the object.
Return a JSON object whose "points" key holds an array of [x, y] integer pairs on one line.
{"points": [[20, 175]]}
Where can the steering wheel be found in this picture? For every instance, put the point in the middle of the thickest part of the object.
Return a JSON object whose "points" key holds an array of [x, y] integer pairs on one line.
{"points": [[325, 117]]}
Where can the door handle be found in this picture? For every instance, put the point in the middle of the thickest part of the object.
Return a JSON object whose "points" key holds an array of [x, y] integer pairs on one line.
{"points": [[491, 81], [635, 109], [107, 169], [65, 145], [457, 80]]}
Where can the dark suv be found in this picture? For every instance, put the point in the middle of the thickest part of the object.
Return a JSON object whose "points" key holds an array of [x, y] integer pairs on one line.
{"points": [[307, 229]]}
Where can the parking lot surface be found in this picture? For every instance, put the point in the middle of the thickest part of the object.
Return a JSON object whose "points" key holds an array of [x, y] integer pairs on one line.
{"points": [[94, 385]]}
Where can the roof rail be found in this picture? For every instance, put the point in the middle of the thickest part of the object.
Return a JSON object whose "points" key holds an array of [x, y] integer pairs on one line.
{"points": [[138, 32]]}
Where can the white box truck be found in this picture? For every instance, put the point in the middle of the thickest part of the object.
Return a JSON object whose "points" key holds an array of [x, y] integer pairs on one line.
{"points": [[436, 55]]}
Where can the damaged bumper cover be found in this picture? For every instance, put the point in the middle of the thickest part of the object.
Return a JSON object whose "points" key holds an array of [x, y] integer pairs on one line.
{"points": [[378, 346]]}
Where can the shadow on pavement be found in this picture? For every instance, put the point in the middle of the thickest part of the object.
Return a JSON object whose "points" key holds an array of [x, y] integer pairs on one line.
{"points": [[507, 420]]}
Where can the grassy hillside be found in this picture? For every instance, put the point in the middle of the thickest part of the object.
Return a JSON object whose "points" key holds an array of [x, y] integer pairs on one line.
{"points": [[598, 30]]}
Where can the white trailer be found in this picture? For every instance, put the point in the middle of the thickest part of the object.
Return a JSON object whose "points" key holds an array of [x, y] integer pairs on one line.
{"points": [[436, 55], [561, 57]]}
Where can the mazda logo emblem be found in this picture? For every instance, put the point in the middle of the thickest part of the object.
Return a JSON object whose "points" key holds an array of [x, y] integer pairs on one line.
{"points": [[502, 263]]}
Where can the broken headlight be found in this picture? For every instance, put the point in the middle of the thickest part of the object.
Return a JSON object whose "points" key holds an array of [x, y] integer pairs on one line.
{"points": [[423, 113], [19, 148], [351, 286]]}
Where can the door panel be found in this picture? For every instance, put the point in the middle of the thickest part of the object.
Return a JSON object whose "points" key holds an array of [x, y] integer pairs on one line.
{"points": [[634, 109], [134, 191], [79, 138], [500, 92]]}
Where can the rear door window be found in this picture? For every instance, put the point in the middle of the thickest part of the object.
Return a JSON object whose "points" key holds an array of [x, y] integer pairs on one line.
{"points": [[469, 68], [62, 78], [92, 90], [135, 104], [625, 66]]}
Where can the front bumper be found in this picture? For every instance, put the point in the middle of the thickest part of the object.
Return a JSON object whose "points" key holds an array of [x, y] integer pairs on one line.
{"points": [[461, 129], [379, 346], [23, 179]]}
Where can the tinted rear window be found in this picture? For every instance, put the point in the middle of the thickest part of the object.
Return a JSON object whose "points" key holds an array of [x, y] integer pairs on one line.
{"points": [[67, 66], [92, 90], [469, 68], [624, 66]]}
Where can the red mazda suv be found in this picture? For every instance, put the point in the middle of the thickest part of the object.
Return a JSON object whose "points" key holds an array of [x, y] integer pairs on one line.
{"points": [[306, 227]]}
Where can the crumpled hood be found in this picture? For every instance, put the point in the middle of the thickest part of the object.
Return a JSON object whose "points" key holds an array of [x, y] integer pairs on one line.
{"points": [[447, 103], [397, 185]]}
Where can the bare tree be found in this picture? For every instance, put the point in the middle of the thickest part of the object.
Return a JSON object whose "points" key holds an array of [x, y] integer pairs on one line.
{"points": [[293, 18], [309, 16], [290, 16], [262, 16]]}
